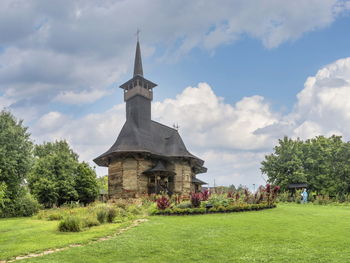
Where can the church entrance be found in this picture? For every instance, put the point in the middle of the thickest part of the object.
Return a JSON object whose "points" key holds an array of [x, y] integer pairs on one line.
{"points": [[160, 183]]}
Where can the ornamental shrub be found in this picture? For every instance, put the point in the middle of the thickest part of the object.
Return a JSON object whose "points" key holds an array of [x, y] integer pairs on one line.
{"points": [[90, 221], [196, 199], [217, 200], [70, 224], [205, 195], [102, 214], [111, 214], [55, 216], [134, 210], [221, 208], [184, 205], [163, 202], [24, 205]]}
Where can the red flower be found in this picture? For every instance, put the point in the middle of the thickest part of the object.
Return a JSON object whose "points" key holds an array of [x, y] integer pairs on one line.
{"points": [[163, 202], [196, 199], [276, 189], [268, 188], [205, 195]]}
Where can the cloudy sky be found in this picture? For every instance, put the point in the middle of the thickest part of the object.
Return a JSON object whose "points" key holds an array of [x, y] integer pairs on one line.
{"points": [[235, 75]]}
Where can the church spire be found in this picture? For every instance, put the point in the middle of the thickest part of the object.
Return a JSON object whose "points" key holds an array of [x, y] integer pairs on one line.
{"points": [[138, 62]]}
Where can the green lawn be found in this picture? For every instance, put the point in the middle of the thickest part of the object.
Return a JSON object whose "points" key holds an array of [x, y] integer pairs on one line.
{"points": [[289, 233], [20, 236]]}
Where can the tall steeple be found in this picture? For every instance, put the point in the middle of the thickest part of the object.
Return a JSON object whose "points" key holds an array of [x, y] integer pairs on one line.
{"points": [[138, 61], [138, 94]]}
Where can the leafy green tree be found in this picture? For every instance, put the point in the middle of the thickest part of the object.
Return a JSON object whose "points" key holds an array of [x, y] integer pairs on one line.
{"points": [[342, 168], [3, 198], [285, 165], [52, 178], [321, 158], [86, 183], [15, 154], [15, 162], [57, 176], [321, 162]]}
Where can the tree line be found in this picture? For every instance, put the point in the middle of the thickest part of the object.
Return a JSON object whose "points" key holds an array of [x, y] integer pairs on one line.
{"points": [[32, 175], [322, 163]]}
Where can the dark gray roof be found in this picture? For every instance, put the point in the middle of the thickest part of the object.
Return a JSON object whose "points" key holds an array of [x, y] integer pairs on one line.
{"points": [[297, 185], [160, 140], [144, 82], [138, 62], [160, 167], [197, 181]]}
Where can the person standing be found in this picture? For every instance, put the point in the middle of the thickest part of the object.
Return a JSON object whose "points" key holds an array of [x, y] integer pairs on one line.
{"points": [[304, 196]]}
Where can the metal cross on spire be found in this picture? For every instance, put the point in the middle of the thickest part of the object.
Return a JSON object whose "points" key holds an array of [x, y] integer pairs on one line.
{"points": [[138, 61], [138, 34]]}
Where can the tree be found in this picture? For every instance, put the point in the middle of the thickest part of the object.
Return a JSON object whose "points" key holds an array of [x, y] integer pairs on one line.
{"points": [[57, 176], [3, 198], [322, 163], [15, 162], [15, 154], [52, 178], [285, 165], [86, 183]]}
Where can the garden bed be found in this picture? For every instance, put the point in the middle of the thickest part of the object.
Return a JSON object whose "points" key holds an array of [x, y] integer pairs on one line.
{"points": [[220, 209]]}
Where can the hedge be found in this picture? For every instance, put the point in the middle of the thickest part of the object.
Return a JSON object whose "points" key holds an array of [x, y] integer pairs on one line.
{"points": [[220, 209]]}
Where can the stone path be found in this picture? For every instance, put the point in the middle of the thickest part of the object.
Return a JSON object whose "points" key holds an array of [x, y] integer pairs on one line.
{"points": [[50, 251]]}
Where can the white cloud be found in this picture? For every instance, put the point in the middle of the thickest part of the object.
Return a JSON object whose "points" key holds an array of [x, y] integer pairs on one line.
{"points": [[57, 51], [75, 98], [209, 122], [323, 105]]}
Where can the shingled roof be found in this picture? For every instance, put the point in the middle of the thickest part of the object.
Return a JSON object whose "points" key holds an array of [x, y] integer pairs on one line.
{"points": [[160, 140]]}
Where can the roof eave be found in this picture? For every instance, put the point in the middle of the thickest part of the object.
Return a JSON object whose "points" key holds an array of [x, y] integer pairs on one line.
{"points": [[126, 84]]}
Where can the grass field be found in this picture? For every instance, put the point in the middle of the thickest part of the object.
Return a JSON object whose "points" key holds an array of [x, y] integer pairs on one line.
{"points": [[289, 233], [20, 236]]}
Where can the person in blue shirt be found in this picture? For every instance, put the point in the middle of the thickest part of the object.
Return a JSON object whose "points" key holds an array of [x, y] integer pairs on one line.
{"points": [[304, 196]]}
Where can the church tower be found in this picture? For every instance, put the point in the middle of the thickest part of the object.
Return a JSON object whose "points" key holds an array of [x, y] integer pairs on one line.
{"points": [[138, 94]]}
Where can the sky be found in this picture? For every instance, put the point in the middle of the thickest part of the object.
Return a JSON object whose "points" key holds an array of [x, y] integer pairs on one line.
{"points": [[235, 75]]}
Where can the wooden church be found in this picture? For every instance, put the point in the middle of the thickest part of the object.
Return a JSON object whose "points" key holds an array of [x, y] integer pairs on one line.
{"points": [[148, 157]]}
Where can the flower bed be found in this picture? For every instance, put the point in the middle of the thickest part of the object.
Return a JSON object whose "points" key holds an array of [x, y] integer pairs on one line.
{"points": [[220, 209]]}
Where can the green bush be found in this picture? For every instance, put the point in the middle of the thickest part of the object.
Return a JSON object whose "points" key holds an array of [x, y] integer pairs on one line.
{"points": [[72, 204], [219, 209], [134, 210], [25, 205], [219, 200], [55, 216], [184, 205], [111, 214], [213, 210], [102, 214], [70, 224], [90, 221]]}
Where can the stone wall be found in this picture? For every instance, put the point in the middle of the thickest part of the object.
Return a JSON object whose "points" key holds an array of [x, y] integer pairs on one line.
{"points": [[142, 179], [183, 177], [115, 178], [125, 178]]}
